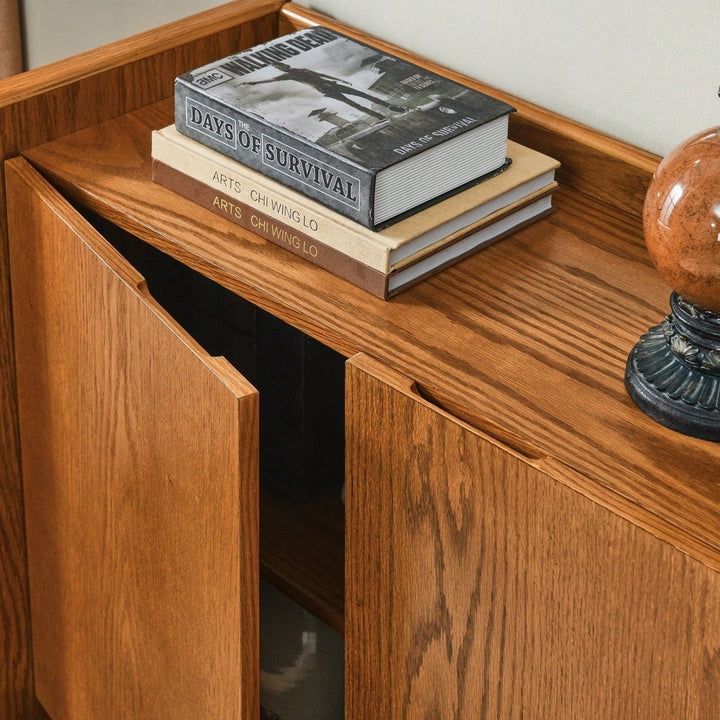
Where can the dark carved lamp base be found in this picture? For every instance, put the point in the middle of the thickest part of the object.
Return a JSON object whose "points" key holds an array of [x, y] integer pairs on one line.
{"points": [[673, 373]]}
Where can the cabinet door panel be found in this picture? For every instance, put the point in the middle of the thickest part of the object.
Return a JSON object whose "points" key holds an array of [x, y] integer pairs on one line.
{"points": [[139, 457], [479, 585]]}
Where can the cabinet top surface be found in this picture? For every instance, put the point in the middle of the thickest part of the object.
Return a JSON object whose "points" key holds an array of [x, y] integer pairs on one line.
{"points": [[527, 340]]}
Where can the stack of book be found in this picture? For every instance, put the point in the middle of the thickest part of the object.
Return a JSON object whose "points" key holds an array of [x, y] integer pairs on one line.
{"points": [[358, 161]]}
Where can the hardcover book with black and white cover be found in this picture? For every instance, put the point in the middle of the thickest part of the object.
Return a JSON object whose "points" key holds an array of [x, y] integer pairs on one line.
{"points": [[371, 135]]}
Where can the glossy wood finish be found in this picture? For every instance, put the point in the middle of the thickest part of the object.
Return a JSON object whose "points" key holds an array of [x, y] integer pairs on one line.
{"points": [[615, 581], [480, 587], [526, 342], [37, 106], [528, 338], [140, 470]]}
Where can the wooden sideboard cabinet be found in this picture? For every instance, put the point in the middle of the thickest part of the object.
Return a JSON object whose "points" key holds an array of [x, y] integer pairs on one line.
{"points": [[518, 539]]}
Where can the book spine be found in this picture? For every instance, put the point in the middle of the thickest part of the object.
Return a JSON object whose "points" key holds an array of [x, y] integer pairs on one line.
{"points": [[272, 229], [309, 169], [276, 201]]}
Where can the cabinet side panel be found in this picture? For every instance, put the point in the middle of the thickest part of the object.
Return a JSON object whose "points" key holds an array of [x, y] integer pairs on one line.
{"points": [[16, 699], [140, 468], [480, 587]]}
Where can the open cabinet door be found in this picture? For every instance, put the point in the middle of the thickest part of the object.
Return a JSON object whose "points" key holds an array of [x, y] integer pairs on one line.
{"points": [[140, 467]]}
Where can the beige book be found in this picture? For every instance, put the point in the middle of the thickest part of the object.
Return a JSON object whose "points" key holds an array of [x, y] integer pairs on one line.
{"points": [[409, 271], [454, 218]]}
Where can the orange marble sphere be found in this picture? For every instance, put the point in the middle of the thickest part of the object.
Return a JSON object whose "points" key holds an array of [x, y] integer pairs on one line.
{"points": [[681, 219]]}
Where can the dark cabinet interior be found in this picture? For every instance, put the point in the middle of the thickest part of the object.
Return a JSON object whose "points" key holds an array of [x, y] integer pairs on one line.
{"points": [[300, 380]]}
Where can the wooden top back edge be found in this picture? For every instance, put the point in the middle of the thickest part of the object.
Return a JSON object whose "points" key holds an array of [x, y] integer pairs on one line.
{"points": [[592, 162]]}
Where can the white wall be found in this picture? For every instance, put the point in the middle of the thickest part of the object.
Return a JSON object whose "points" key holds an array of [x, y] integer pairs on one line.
{"points": [[645, 71], [54, 29]]}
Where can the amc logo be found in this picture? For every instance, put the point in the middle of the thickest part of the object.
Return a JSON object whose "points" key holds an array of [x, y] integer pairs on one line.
{"points": [[211, 78]]}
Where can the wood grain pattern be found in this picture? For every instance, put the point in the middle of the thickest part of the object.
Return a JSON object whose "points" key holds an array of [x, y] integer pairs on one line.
{"points": [[480, 587], [140, 469], [530, 336], [526, 342], [37, 106]]}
